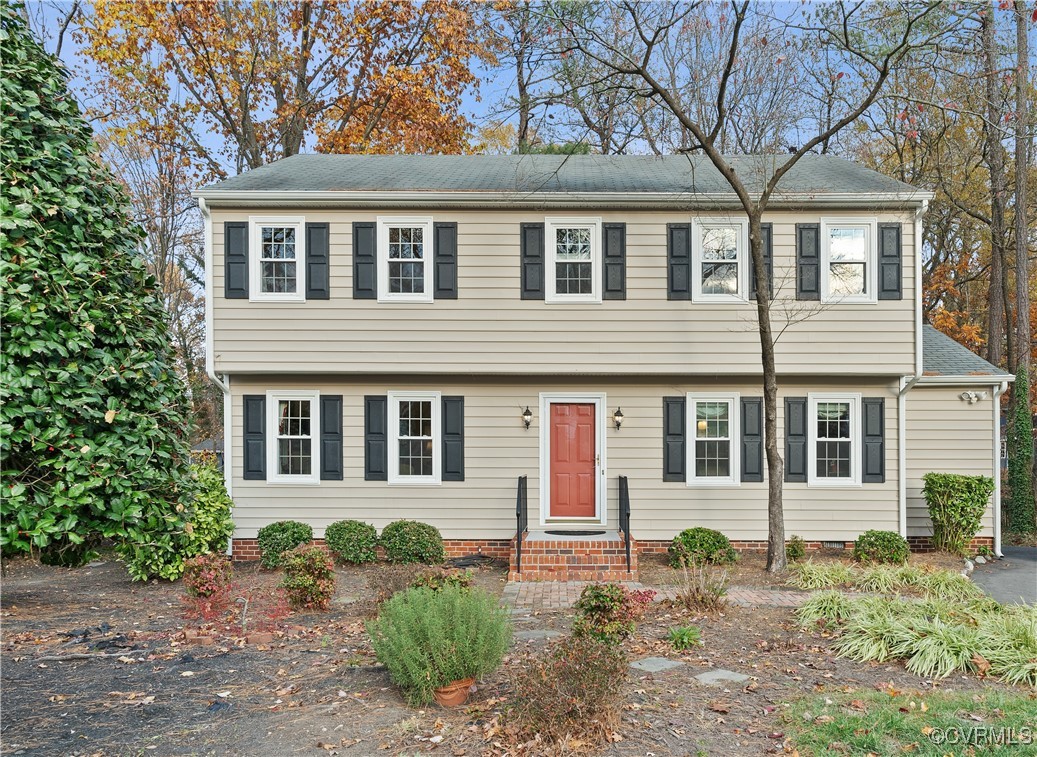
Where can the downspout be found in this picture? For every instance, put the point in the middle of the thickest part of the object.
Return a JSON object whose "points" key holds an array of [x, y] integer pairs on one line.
{"points": [[996, 412], [905, 387], [918, 287], [210, 359]]}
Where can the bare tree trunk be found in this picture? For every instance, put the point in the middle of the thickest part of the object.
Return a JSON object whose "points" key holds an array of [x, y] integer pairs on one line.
{"points": [[1023, 334], [995, 159]]}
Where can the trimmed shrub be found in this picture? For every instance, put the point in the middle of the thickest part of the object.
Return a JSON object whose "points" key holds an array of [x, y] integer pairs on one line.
{"points": [[407, 541], [309, 577], [609, 612], [699, 544], [352, 541], [277, 538], [207, 575], [427, 639], [881, 547], [956, 506], [795, 549], [574, 691]]}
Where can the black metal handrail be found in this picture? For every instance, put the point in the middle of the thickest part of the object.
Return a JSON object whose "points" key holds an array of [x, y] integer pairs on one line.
{"points": [[624, 515], [521, 520]]}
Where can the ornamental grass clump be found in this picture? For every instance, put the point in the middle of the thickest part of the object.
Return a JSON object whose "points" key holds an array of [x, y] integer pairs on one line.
{"points": [[825, 608], [825, 575], [947, 584], [427, 639]]}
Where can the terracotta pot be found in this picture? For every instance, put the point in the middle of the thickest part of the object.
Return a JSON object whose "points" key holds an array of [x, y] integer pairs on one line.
{"points": [[454, 694]]}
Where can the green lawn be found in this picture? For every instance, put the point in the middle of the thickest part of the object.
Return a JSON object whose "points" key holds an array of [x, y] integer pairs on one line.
{"points": [[932, 723]]}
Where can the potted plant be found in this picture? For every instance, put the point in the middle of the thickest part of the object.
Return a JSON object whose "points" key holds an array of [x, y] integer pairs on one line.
{"points": [[435, 643]]}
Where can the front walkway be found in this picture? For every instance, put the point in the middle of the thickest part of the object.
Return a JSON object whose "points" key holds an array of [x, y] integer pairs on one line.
{"points": [[552, 596]]}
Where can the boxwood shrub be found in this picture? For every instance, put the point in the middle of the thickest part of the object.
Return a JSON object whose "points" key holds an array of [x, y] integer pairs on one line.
{"points": [[352, 541], [277, 538], [407, 541], [694, 545], [881, 547]]}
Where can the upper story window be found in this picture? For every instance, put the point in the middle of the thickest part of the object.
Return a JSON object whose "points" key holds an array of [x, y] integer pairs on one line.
{"points": [[414, 427], [405, 259], [573, 265], [713, 453], [833, 422], [848, 260], [292, 457], [720, 254], [277, 269]]}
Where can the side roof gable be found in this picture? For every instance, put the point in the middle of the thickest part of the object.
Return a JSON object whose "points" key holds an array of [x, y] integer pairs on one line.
{"points": [[944, 357]]}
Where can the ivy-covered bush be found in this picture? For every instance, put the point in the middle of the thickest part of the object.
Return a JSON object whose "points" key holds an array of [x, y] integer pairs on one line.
{"points": [[881, 547], [352, 541], [207, 575], [277, 538], [609, 612], [698, 544], [795, 549], [407, 541], [309, 577], [427, 639], [956, 506], [93, 432]]}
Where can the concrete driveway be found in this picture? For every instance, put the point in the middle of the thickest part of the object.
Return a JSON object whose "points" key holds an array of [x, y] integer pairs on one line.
{"points": [[1013, 578]]}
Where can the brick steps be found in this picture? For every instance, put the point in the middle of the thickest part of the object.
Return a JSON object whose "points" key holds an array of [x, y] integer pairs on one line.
{"points": [[555, 558]]}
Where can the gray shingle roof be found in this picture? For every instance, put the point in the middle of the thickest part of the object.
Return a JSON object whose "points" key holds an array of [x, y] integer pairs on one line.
{"points": [[678, 174], [942, 356]]}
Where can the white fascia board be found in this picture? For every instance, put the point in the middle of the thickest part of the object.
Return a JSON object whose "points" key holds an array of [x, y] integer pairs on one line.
{"points": [[977, 380]]}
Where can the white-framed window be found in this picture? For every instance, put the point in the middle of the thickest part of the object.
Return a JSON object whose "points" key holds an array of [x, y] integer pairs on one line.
{"points": [[833, 451], [573, 259], [720, 260], [405, 259], [713, 431], [415, 420], [849, 259], [277, 259], [293, 446]]}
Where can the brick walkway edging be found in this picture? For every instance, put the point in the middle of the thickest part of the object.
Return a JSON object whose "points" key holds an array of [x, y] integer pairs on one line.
{"points": [[561, 595]]}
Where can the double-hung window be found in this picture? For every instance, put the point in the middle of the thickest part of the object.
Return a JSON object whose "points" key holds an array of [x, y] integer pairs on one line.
{"points": [[293, 452], [405, 259], [573, 264], [834, 422], [848, 260], [414, 431], [277, 269], [713, 451], [720, 255]]}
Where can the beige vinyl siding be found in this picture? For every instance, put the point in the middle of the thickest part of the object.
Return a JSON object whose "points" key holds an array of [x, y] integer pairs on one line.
{"points": [[498, 449], [490, 330], [945, 434]]}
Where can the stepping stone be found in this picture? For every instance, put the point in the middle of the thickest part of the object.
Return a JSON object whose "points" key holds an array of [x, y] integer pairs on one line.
{"points": [[720, 676], [655, 664], [536, 635]]}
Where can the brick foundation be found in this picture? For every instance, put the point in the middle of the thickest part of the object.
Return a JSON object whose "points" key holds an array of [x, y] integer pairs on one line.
{"points": [[555, 559], [660, 547], [925, 543], [247, 550]]}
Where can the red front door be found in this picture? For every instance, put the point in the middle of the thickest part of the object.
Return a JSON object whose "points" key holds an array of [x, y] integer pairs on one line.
{"points": [[573, 464]]}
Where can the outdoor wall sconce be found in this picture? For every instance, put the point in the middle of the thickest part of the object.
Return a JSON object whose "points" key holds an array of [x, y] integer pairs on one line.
{"points": [[527, 417], [617, 418], [973, 397]]}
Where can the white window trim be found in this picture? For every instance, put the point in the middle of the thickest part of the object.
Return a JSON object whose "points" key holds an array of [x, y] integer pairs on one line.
{"points": [[383, 224], [698, 226], [734, 432], [854, 398], [273, 396], [871, 279], [601, 485], [435, 398], [255, 225], [551, 249]]}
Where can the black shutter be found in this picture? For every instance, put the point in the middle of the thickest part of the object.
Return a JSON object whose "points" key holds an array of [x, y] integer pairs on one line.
{"points": [[674, 432], [891, 262], [331, 437], [453, 438], [318, 262], [678, 256], [873, 440], [808, 261], [235, 260], [445, 256], [796, 439], [767, 230], [752, 439], [532, 251], [376, 441], [614, 262], [255, 437], [365, 261]]}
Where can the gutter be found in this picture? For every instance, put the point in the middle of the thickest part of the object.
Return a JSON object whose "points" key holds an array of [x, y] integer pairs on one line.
{"points": [[976, 380], [996, 412]]}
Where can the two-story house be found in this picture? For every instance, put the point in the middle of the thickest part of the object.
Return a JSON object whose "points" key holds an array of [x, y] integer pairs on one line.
{"points": [[410, 336]]}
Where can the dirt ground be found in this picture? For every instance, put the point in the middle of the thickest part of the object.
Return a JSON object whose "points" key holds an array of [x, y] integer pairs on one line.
{"points": [[318, 690]]}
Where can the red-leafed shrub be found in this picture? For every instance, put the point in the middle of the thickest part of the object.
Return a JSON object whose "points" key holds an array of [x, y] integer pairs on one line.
{"points": [[207, 575], [609, 612]]}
